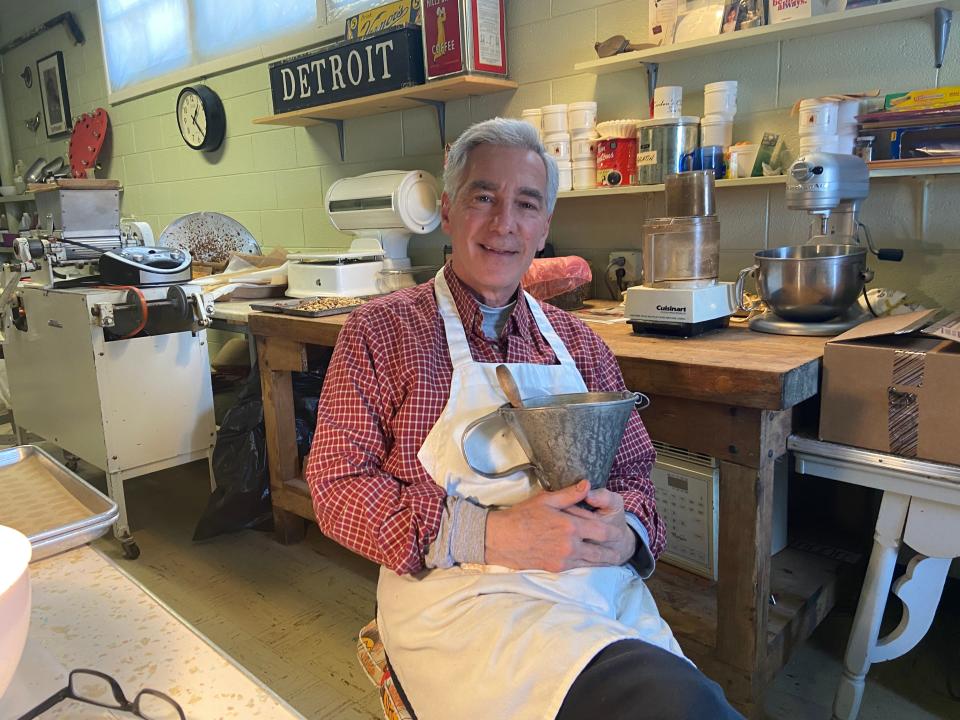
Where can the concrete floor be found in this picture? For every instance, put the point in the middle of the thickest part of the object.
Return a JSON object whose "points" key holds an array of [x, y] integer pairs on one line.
{"points": [[291, 614]]}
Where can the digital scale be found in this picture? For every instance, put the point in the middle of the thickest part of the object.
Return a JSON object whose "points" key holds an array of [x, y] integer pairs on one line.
{"points": [[688, 499]]}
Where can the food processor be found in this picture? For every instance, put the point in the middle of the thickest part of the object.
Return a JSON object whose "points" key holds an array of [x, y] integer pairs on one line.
{"points": [[679, 294]]}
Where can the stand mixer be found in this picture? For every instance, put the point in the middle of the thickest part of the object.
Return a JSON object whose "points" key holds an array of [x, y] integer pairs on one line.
{"points": [[812, 289]]}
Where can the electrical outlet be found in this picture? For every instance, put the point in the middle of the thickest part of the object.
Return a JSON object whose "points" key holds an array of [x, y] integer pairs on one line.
{"points": [[632, 266]]}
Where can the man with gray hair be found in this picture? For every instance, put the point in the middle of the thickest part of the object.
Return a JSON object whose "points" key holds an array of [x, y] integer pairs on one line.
{"points": [[495, 600]]}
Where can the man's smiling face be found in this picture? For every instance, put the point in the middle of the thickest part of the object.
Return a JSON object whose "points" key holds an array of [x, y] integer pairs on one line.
{"points": [[498, 220]]}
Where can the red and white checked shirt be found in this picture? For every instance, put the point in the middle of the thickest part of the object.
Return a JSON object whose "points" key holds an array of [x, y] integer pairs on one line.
{"points": [[388, 383]]}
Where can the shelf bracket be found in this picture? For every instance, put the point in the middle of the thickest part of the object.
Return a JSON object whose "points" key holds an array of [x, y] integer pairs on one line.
{"points": [[652, 70], [339, 126], [440, 106]]}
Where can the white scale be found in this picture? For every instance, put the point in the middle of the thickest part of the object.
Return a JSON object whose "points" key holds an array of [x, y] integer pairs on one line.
{"points": [[688, 499]]}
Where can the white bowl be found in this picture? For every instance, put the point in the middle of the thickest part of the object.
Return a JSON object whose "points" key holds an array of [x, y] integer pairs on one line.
{"points": [[15, 554], [618, 128], [7, 190]]}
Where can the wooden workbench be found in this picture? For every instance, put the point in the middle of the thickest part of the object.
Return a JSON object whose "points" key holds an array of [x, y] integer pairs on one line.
{"points": [[733, 394]]}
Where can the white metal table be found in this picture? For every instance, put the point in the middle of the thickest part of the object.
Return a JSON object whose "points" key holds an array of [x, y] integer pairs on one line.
{"points": [[920, 507]]}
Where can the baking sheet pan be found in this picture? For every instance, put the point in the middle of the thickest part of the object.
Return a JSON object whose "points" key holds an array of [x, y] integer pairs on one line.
{"points": [[290, 307], [54, 507]]}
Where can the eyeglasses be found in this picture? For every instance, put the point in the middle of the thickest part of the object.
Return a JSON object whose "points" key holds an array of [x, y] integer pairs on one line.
{"points": [[96, 688]]}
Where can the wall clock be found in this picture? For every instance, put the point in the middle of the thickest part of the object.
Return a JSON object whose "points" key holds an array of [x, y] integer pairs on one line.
{"points": [[200, 118]]}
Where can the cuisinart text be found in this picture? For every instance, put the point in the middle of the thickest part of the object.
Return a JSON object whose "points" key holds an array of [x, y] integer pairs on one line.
{"points": [[384, 62]]}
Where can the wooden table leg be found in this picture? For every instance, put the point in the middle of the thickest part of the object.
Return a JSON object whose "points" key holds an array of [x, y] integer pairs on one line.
{"points": [[281, 432], [746, 527], [873, 599]]}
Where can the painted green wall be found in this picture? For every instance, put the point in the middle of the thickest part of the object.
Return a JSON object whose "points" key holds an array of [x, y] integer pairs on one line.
{"points": [[273, 179]]}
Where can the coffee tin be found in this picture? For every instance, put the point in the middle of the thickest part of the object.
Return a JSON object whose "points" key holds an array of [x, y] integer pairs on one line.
{"points": [[464, 36], [616, 162], [663, 143]]}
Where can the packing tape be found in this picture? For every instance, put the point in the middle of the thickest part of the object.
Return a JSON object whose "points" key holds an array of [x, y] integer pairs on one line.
{"points": [[903, 408]]}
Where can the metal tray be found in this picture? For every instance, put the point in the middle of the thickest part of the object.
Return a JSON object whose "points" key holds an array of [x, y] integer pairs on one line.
{"points": [[54, 507], [289, 307]]}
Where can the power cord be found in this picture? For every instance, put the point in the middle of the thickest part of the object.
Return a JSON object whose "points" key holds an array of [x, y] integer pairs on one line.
{"points": [[620, 263]]}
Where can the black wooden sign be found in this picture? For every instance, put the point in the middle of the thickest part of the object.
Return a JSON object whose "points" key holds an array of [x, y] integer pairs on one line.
{"points": [[377, 64]]}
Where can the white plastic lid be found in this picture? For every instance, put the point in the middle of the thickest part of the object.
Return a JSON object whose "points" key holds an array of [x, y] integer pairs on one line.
{"points": [[722, 86], [817, 102], [584, 164], [550, 109], [530, 111], [682, 120], [585, 105], [556, 137]]}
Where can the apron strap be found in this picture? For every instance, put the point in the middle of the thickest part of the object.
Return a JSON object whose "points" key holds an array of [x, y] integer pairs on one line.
{"points": [[457, 338], [452, 324], [549, 334]]}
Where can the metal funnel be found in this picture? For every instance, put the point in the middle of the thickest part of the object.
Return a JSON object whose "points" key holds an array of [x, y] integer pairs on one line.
{"points": [[569, 437]]}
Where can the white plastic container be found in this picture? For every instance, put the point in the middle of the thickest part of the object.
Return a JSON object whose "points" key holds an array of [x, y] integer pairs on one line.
{"points": [[533, 116], [584, 174], [566, 175], [720, 98], [846, 141], [716, 130], [582, 115], [558, 145], [818, 117], [667, 101], [583, 144], [554, 119], [819, 143], [15, 552], [742, 158]]}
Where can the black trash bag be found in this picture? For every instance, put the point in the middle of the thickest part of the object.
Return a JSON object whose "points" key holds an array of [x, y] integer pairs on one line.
{"points": [[242, 497]]}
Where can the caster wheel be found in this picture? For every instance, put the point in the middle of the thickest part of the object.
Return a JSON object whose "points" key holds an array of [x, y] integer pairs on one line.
{"points": [[131, 551], [73, 464]]}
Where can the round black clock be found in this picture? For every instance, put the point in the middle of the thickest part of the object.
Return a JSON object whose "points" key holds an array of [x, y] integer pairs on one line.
{"points": [[200, 118]]}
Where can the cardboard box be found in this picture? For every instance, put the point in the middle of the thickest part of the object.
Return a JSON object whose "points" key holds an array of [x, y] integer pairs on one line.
{"points": [[926, 99], [382, 18], [784, 10], [890, 388]]}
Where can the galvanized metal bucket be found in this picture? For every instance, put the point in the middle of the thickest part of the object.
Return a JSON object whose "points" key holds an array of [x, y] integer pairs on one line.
{"points": [[567, 438]]}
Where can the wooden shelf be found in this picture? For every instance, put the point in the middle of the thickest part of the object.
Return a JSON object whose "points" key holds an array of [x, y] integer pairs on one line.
{"points": [[910, 168], [803, 585], [895, 11], [437, 91]]}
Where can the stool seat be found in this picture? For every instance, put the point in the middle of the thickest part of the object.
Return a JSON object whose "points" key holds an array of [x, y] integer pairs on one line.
{"points": [[373, 660]]}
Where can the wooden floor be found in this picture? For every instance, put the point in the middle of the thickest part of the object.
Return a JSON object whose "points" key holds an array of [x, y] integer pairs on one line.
{"points": [[291, 614]]}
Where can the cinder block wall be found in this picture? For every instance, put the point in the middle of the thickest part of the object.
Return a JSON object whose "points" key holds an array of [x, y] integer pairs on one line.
{"points": [[273, 179]]}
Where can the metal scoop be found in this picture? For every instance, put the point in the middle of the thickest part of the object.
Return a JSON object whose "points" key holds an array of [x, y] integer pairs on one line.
{"points": [[509, 386]]}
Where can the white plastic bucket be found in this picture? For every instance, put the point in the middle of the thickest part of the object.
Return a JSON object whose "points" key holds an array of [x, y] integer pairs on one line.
{"points": [[565, 175], [742, 158], [847, 117], [554, 119], [584, 174], [583, 145], [582, 115], [716, 130], [818, 143], [534, 117], [558, 145], [667, 101], [818, 117], [720, 98]]}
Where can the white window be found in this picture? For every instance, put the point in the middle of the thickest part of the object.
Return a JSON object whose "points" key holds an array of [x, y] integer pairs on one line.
{"points": [[152, 44]]}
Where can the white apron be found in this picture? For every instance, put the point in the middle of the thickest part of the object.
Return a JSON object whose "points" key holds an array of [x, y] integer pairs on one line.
{"points": [[484, 641]]}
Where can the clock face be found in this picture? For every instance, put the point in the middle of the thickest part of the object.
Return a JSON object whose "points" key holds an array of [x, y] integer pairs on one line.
{"points": [[200, 118], [192, 119]]}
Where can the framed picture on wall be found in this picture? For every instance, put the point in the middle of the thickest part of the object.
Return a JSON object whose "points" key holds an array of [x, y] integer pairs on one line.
{"points": [[53, 94]]}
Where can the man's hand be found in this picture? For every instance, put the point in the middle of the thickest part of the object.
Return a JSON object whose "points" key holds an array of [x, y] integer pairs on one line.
{"points": [[548, 532]]}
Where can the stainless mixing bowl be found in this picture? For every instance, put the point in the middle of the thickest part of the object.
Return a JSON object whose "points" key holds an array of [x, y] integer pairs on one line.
{"points": [[808, 283]]}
